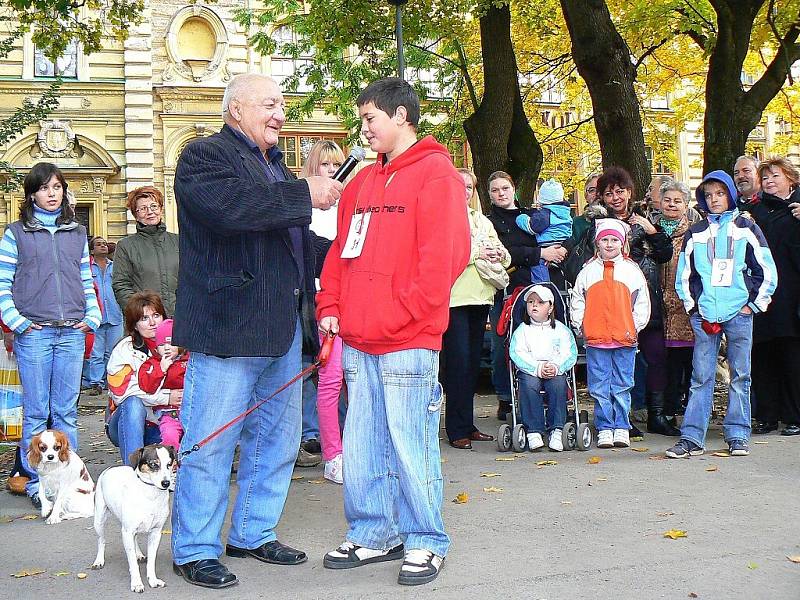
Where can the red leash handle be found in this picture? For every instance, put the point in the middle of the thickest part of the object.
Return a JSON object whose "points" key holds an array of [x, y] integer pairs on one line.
{"points": [[321, 361]]}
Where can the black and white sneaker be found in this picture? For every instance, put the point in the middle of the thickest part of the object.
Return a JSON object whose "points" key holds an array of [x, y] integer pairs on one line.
{"points": [[738, 448], [684, 449], [349, 556], [420, 566]]}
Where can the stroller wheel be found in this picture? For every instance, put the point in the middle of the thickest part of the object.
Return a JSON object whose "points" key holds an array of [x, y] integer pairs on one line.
{"points": [[504, 438], [568, 436], [584, 438], [519, 439]]}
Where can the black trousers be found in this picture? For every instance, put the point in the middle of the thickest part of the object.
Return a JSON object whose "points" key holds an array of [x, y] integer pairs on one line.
{"points": [[775, 371], [679, 378], [461, 358]]}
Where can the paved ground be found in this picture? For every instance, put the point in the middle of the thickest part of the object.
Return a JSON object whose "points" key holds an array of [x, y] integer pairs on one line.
{"points": [[560, 531]]}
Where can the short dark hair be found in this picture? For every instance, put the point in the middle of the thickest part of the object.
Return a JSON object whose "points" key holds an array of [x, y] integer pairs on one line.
{"points": [[389, 93], [38, 176], [615, 176]]}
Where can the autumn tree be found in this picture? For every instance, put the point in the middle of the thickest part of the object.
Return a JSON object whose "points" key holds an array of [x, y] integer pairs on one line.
{"points": [[53, 26]]}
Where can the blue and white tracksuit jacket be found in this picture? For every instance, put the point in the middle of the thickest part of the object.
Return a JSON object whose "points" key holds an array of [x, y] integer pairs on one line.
{"points": [[726, 235]]}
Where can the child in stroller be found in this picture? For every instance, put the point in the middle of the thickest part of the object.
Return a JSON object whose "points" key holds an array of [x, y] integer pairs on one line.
{"points": [[543, 353], [543, 350]]}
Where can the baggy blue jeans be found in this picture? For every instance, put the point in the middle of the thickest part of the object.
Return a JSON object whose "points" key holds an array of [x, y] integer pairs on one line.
{"points": [[106, 336], [736, 426], [392, 467], [609, 377], [50, 360], [217, 390], [127, 428], [532, 407]]}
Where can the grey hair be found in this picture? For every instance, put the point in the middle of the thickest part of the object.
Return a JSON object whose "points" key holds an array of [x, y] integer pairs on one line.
{"points": [[752, 159], [237, 84], [675, 186]]}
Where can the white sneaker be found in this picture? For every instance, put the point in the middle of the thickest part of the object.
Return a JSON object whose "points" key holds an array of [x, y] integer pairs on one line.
{"points": [[333, 470], [621, 438], [555, 442], [535, 441], [605, 438]]}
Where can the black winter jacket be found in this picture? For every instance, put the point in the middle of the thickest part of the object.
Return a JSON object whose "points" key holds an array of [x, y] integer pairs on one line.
{"points": [[522, 246], [649, 251], [782, 232]]}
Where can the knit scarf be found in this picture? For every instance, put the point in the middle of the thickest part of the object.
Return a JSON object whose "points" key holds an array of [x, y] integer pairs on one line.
{"points": [[668, 225]]}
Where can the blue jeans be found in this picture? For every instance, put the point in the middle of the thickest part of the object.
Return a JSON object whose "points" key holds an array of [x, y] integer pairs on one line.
{"points": [[105, 338], [501, 379], [609, 377], [127, 429], [392, 466], [216, 390], [736, 426], [532, 407], [310, 429], [49, 361]]}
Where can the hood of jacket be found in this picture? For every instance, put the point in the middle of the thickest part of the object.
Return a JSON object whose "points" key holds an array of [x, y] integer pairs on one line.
{"points": [[725, 180], [421, 149]]}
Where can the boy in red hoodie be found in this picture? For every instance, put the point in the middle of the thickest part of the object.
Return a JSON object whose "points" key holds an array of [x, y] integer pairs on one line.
{"points": [[165, 373], [386, 289]]}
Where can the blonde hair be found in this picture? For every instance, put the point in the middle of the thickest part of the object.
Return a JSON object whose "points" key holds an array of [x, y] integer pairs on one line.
{"points": [[322, 151], [782, 163], [474, 200]]}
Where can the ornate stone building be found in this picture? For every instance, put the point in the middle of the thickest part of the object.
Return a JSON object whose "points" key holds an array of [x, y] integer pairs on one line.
{"points": [[128, 111]]}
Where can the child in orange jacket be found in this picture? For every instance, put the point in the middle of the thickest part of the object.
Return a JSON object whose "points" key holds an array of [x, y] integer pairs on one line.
{"points": [[611, 303]]}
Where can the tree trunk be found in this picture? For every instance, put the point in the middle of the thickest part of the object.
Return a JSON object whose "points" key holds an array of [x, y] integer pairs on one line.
{"points": [[731, 112], [604, 61], [499, 135]]}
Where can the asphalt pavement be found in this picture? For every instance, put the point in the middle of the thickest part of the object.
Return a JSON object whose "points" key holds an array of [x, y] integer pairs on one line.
{"points": [[537, 525]]}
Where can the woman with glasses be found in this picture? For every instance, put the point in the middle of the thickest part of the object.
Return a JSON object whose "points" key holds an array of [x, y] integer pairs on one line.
{"points": [[650, 247], [148, 259], [130, 422]]}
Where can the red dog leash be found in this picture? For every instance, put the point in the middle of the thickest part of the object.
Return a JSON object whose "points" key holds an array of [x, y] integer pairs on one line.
{"points": [[320, 361]]}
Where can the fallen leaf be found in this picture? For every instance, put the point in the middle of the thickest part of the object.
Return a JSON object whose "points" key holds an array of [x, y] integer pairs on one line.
{"points": [[546, 463], [461, 498], [444, 460], [28, 573], [566, 502], [6, 519], [752, 566], [794, 559], [761, 442], [674, 534], [29, 517], [602, 479], [594, 460], [721, 453], [297, 477], [665, 514], [656, 457], [493, 489], [505, 459], [62, 573], [637, 438], [712, 468], [692, 595], [491, 475], [166, 532], [640, 449], [317, 481], [81, 575]]}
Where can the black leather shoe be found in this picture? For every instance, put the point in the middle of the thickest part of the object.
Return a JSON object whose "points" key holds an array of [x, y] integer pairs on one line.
{"points": [[272, 552], [792, 429], [762, 427], [208, 573]]}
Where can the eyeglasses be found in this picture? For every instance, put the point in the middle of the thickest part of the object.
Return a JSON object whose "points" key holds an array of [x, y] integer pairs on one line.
{"points": [[149, 208]]}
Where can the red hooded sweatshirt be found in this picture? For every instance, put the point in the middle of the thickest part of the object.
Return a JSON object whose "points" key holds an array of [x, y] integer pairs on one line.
{"points": [[395, 295]]}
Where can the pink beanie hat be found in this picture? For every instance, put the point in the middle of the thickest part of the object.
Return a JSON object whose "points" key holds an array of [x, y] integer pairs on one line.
{"points": [[615, 227]]}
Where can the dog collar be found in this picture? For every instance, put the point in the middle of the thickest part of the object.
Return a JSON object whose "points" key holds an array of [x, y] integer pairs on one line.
{"points": [[143, 481]]}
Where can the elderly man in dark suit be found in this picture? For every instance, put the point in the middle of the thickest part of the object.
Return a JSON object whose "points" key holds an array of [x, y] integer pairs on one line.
{"points": [[246, 279]]}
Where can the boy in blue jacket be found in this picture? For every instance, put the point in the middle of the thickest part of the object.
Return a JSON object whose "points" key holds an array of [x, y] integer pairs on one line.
{"points": [[725, 274]]}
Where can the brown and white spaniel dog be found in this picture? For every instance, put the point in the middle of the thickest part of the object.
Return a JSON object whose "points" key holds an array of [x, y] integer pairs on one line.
{"points": [[66, 489]]}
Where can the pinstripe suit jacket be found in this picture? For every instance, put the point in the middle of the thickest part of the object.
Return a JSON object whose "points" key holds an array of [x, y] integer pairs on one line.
{"points": [[238, 281]]}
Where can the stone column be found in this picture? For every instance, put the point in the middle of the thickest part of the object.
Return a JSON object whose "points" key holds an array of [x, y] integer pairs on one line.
{"points": [[139, 169]]}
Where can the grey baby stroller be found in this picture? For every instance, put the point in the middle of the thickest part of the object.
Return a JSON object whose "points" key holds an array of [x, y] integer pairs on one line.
{"points": [[576, 432]]}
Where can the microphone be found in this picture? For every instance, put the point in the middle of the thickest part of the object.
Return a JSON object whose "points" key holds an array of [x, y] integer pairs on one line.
{"points": [[357, 154]]}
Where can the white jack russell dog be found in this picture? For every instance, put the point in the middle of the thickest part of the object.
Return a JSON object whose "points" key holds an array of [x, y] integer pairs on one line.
{"points": [[138, 495]]}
